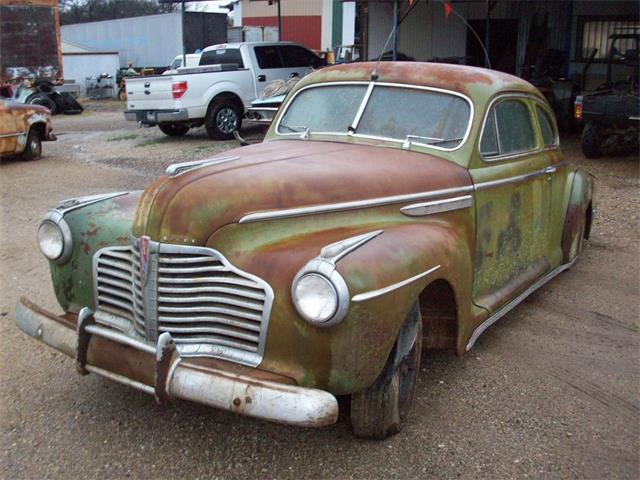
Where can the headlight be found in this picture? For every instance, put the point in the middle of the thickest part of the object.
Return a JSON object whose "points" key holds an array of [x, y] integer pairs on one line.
{"points": [[54, 237], [315, 298], [320, 294]]}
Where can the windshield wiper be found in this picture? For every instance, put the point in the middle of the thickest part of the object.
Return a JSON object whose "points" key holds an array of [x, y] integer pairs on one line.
{"points": [[446, 140], [302, 130], [429, 140]]}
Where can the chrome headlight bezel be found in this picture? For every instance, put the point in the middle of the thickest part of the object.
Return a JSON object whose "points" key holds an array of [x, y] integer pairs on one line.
{"points": [[328, 272], [56, 219]]}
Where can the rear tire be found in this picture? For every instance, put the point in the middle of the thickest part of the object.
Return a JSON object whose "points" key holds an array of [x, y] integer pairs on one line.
{"points": [[380, 410], [33, 149], [591, 141], [173, 129], [223, 118]]}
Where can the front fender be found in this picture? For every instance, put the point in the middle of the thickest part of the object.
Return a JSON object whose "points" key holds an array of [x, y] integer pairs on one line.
{"points": [[348, 357], [94, 226]]}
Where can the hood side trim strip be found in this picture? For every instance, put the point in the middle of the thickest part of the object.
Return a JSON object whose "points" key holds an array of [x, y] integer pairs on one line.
{"points": [[338, 207]]}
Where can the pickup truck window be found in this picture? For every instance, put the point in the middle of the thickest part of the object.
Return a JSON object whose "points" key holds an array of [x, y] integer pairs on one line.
{"points": [[295, 56], [268, 57], [329, 109], [222, 55]]}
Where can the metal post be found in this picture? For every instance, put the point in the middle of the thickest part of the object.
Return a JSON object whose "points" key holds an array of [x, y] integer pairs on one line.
{"points": [[486, 34], [184, 39], [394, 52], [279, 23]]}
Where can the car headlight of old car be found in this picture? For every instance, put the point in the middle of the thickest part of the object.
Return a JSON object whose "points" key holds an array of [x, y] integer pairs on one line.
{"points": [[320, 294], [54, 237]]}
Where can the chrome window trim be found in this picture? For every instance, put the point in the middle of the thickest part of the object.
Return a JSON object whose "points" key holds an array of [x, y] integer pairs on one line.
{"points": [[361, 297], [509, 156], [371, 85], [338, 207], [552, 146]]}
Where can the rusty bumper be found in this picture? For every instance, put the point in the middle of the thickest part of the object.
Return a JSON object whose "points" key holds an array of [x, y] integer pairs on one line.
{"points": [[159, 370]]}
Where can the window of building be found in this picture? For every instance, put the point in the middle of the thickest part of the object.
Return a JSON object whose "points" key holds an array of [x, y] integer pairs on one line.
{"points": [[595, 33]]}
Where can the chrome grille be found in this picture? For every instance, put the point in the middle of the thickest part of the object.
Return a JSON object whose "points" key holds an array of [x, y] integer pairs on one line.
{"points": [[209, 307]]}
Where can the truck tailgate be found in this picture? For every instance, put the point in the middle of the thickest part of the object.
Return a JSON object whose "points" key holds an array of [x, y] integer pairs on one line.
{"points": [[150, 93]]}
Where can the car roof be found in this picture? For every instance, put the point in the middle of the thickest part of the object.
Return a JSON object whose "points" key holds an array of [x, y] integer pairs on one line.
{"points": [[474, 82], [239, 44]]}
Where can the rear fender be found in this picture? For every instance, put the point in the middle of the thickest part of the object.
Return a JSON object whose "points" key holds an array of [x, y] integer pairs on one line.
{"points": [[579, 204]]}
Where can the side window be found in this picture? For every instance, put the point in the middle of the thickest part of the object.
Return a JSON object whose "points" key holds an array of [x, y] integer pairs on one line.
{"points": [[546, 127], [510, 132], [268, 57], [221, 56], [295, 56]]}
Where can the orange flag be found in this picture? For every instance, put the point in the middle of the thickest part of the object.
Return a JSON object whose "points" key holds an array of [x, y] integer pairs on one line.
{"points": [[447, 10]]}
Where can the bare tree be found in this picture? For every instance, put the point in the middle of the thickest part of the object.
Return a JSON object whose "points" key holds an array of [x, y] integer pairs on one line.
{"points": [[81, 11]]}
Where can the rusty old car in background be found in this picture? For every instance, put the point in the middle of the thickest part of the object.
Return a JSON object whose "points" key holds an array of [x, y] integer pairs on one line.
{"points": [[23, 128], [390, 208]]}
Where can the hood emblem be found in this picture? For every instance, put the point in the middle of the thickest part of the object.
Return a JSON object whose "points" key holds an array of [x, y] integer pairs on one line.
{"points": [[144, 259]]}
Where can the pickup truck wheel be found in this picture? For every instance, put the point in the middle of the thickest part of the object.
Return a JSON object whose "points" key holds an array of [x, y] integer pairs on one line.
{"points": [[173, 129], [591, 140], [33, 148], [44, 100], [380, 410], [223, 118]]}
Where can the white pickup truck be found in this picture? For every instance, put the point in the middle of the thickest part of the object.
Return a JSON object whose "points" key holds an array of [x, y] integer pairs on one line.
{"points": [[215, 93]]}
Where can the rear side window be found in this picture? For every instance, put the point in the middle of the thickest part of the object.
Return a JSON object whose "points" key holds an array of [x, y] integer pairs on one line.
{"points": [[507, 130], [268, 57], [546, 127], [295, 56], [222, 55]]}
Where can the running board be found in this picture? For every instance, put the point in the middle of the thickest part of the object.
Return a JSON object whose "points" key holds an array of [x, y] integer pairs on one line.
{"points": [[502, 311]]}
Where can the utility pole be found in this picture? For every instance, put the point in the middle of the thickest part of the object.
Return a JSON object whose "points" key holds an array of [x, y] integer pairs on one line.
{"points": [[279, 23], [184, 38]]}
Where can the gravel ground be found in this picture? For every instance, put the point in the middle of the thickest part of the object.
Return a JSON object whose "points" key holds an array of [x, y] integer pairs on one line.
{"points": [[551, 391]]}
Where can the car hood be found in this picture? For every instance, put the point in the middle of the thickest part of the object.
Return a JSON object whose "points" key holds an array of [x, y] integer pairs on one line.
{"points": [[188, 208]]}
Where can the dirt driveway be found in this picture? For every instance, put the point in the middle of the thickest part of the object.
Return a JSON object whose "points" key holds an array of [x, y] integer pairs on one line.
{"points": [[551, 391]]}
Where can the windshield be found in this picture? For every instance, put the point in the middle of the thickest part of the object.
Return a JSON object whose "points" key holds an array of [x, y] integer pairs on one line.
{"points": [[404, 114]]}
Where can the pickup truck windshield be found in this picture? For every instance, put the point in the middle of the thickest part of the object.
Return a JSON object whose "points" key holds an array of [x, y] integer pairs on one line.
{"points": [[396, 113]]}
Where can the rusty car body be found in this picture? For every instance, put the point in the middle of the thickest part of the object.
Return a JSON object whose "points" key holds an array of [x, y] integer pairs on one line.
{"points": [[23, 128], [390, 207]]}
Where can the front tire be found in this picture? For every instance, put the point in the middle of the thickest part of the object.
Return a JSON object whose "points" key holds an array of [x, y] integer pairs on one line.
{"points": [[223, 118], [33, 149], [173, 129], [591, 141], [380, 410]]}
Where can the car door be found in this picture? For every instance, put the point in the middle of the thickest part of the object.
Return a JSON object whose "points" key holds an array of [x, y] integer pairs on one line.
{"points": [[282, 62], [10, 130], [299, 60], [512, 201]]}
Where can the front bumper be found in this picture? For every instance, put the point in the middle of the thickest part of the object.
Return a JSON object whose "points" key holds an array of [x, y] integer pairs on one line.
{"points": [[159, 370], [154, 117]]}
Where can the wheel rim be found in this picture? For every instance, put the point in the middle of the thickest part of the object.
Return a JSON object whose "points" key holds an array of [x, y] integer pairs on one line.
{"points": [[34, 146], [227, 120]]}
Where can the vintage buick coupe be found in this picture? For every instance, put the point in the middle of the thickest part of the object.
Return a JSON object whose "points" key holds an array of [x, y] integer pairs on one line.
{"points": [[390, 208]]}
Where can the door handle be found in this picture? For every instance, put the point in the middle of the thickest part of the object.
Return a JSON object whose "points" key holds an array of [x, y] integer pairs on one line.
{"points": [[550, 169], [261, 78]]}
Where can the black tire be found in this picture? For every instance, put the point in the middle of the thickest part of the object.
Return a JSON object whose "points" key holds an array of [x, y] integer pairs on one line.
{"points": [[173, 129], [33, 149], [591, 140], [223, 118], [44, 100], [380, 410]]}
